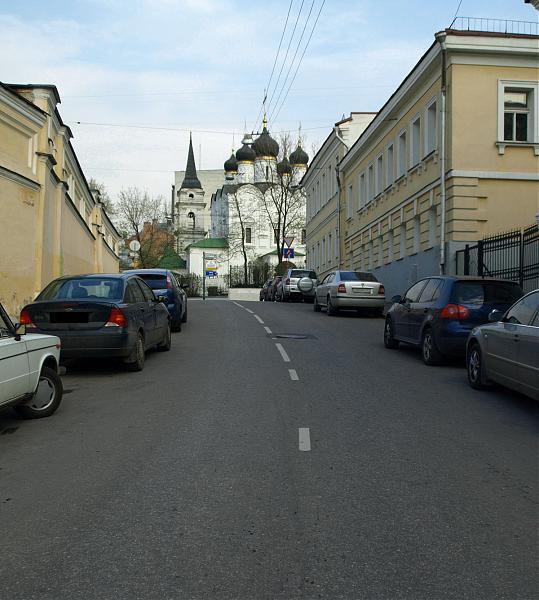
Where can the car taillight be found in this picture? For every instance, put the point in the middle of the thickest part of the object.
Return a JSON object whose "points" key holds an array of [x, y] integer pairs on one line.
{"points": [[341, 289], [116, 318], [287, 281], [169, 282], [381, 290], [454, 311], [25, 318]]}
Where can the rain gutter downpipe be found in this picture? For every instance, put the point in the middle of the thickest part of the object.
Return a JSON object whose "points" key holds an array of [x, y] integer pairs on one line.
{"points": [[338, 175], [440, 37]]}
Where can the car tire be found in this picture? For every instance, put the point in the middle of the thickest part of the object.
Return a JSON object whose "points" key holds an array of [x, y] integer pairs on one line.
{"points": [[429, 351], [166, 344], [474, 367], [331, 310], [389, 335], [135, 361], [184, 318], [46, 398], [316, 306]]}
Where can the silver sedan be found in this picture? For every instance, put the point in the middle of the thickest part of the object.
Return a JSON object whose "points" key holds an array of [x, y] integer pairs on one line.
{"points": [[349, 289], [506, 351]]}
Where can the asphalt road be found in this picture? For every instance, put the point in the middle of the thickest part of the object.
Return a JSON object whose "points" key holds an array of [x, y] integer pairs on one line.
{"points": [[215, 473]]}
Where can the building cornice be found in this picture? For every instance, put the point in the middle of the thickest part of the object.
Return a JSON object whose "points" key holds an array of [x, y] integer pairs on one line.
{"points": [[22, 106], [20, 179]]}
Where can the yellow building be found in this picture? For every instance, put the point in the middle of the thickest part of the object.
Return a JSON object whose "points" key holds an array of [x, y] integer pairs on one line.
{"points": [[467, 115], [51, 223]]}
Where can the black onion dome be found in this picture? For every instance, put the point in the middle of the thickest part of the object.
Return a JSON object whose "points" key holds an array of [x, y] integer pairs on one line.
{"points": [[284, 167], [246, 154], [231, 165], [299, 156], [265, 145]]}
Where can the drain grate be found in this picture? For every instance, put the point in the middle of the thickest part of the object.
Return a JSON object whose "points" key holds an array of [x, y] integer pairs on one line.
{"points": [[295, 336]]}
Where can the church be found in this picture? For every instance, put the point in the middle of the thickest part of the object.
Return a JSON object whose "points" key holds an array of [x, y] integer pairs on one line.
{"points": [[257, 213]]}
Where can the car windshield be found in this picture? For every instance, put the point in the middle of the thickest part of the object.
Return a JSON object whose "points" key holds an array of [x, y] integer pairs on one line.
{"points": [[355, 276], [155, 280], [478, 293], [299, 273], [92, 288]]}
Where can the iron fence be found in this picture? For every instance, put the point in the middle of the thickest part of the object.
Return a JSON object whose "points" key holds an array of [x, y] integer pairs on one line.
{"points": [[506, 26], [512, 255]]}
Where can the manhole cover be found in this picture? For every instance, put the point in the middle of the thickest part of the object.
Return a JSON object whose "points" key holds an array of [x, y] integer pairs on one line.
{"points": [[295, 336]]}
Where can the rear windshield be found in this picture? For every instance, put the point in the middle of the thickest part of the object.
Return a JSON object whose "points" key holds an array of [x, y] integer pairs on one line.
{"points": [[355, 276], [477, 293], [156, 282], [92, 288], [300, 273]]}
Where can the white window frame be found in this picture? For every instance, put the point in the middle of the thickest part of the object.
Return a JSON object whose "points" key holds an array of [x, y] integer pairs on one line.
{"points": [[533, 121], [427, 129], [379, 175], [362, 190], [414, 163], [349, 201], [390, 177], [371, 183], [402, 161]]}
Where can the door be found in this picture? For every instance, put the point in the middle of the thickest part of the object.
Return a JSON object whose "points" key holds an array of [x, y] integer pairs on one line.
{"points": [[159, 318], [323, 289], [403, 312], [139, 311], [421, 310], [14, 367]]}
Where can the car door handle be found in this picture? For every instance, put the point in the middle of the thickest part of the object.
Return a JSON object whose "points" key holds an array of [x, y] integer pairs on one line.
{"points": [[516, 338], [425, 310]]}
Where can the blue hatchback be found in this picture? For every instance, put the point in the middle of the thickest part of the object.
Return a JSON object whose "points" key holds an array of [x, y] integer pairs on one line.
{"points": [[438, 313], [164, 283]]}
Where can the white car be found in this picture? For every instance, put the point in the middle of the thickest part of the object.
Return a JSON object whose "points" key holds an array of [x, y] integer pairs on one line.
{"points": [[29, 363], [349, 289]]}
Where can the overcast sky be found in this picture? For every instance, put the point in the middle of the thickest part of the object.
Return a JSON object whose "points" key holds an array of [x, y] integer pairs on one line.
{"points": [[203, 65]]}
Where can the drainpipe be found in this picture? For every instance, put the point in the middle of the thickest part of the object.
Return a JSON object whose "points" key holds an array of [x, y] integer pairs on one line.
{"points": [[440, 37], [339, 187]]}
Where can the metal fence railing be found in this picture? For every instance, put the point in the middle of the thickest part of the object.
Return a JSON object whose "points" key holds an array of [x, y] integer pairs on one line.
{"points": [[512, 255], [508, 26]]}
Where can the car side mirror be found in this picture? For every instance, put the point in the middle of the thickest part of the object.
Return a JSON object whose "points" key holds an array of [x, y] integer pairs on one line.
{"points": [[19, 330], [396, 299], [495, 316]]}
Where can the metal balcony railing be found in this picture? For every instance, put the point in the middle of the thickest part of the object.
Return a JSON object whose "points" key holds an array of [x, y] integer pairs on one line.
{"points": [[495, 25]]}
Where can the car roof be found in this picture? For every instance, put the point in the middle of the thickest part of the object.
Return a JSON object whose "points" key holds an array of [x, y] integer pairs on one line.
{"points": [[93, 275], [471, 278], [149, 271]]}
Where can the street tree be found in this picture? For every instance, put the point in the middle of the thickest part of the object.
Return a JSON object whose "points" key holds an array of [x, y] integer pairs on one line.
{"points": [[241, 225]]}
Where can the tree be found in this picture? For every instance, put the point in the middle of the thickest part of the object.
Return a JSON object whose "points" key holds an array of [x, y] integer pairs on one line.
{"points": [[140, 217], [104, 196], [241, 208]]}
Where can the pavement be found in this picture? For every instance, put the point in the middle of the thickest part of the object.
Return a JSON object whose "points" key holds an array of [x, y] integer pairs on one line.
{"points": [[244, 465]]}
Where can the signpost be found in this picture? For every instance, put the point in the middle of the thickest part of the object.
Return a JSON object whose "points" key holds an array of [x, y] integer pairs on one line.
{"points": [[211, 272]]}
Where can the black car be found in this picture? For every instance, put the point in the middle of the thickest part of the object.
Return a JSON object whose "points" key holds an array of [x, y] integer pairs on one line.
{"points": [[100, 316], [438, 313], [165, 283]]}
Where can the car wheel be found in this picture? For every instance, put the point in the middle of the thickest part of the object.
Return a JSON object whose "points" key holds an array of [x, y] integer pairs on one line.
{"points": [[316, 306], [184, 318], [331, 310], [46, 398], [389, 339], [474, 367], [429, 350], [166, 344], [135, 361]]}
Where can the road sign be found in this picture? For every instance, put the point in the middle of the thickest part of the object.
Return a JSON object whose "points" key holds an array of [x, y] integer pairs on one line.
{"points": [[134, 245], [288, 253], [288, 240], [211, 274]]}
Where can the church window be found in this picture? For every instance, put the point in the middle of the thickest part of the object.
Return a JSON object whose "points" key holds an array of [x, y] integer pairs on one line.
{"points": [[248, 235], [191, 216], [267, 173], [191, 195]]}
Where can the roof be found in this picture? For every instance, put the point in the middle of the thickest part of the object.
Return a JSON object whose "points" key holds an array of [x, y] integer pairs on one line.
{"points": [[172, 260], [210, 243], [191, 181]]}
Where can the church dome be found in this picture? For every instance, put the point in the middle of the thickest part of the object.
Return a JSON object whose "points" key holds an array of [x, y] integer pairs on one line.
{"points": [[246, 153], [284, 167], [265, 145], [231, 165], [299, 156]]}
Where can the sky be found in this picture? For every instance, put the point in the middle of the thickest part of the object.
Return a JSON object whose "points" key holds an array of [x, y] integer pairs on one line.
{"points": [[138, 75]]}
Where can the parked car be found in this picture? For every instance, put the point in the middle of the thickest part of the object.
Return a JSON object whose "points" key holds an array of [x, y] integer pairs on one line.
{"points": [[29, 379], [100, 316], [506, 351], [289, 291], [438, 313], [272, 288], [264, 291], [165, 283], [349, 289]]}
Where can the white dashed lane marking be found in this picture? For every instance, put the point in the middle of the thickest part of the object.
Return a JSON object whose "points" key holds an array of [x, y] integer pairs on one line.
{"points": [[268, 330], [304, 439], [258, 319], [249, 310], [285, 356], [293, 374]]}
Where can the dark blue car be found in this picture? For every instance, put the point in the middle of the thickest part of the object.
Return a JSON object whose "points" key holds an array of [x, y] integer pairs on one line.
{"points": [[438, 313], [165, 283], [101, 316]]}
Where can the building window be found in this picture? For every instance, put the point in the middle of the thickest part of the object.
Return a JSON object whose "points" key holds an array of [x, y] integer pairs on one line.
{"points": [[324, 250], [248, 235], [389, 166], [303, 235], [379, 174], [267, 173], [362, 191], [349, 202], [330, 248], [416, 142], [402, 154], [431, 129], [370, 183], [191, 216], [516, 115]]}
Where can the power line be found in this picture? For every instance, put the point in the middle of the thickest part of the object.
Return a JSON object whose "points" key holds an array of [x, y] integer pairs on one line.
{"points": [[274, 63], [287, 50], [300, 61], [294, 57]]}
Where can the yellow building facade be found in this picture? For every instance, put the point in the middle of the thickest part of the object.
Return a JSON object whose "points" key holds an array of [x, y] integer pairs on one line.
{"points": [[468, 116], [51, 223]]}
